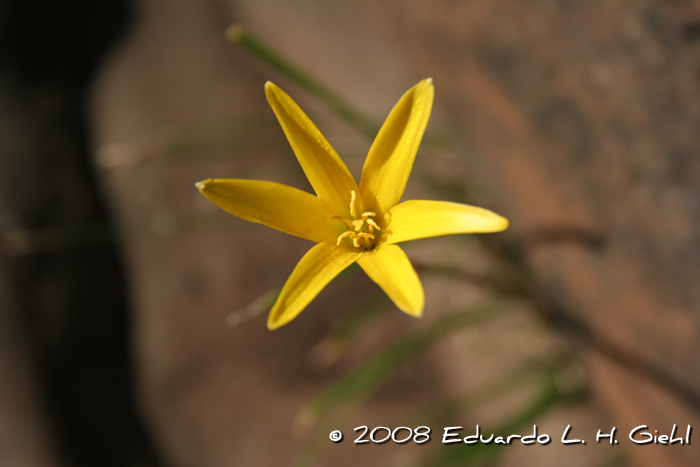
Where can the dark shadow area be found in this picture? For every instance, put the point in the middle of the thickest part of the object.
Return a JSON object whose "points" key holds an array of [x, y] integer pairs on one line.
{"points": [[71, 299]]}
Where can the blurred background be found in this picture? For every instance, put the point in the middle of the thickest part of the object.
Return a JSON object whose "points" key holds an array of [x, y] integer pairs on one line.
{"points": [[132, 311]]}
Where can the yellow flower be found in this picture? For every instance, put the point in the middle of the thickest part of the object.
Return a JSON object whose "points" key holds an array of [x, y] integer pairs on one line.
{"points": [[350, 223]]}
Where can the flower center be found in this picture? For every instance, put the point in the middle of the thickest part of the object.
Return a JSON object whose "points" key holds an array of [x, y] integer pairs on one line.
{"points": [[361, 230]]}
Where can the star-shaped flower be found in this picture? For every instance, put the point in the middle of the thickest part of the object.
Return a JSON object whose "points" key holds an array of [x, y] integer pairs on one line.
{"points": [[350, 223]]}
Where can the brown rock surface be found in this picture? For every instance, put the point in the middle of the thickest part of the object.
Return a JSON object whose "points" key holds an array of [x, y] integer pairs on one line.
{"points": [[581, 120], [578, 119]]}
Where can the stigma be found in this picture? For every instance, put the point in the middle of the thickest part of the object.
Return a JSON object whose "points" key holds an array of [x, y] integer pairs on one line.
{"points": [[360, 230]]}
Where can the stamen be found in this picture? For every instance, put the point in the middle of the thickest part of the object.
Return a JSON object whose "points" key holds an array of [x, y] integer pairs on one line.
{"points": [[372, 224], [353, 212], [349, 233], [347, 222], [356, 227]]}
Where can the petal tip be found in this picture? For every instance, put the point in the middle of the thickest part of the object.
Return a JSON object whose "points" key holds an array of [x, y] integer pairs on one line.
{"points": [[271, 90], [415, 311], [502, 224], [275, 319], [426, 84], [280, 315], [201, 186]]}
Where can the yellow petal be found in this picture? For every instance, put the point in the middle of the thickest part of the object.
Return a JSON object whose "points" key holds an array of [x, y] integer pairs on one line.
{"points": [[388, 266], [421, 219], [391, 156], [281, 207], [315, 270], [325, 170]]}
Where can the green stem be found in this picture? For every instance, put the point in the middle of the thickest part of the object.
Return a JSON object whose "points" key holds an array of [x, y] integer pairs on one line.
{"points": [[237, 34]]}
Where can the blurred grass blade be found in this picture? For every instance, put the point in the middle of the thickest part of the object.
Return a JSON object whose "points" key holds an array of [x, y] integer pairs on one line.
{"points": [[266, 301], [260, 305], [527, 373], [372, 374], [485, 454], [478, 454], [335, 344], [505, 280], [362, 123]]}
